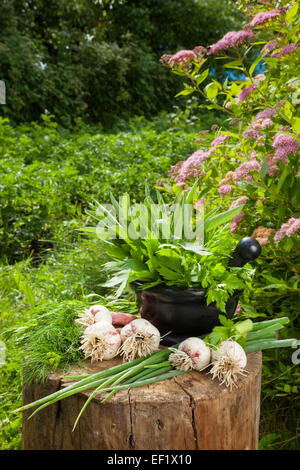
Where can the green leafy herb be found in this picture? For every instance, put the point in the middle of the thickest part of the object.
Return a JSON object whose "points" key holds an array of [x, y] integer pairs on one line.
{"points": [[150, 246], [229, 329]]}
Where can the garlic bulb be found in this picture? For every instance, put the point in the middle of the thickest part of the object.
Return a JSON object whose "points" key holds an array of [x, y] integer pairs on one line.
{"points": [[140, 338], [100, 341], [93, 315], [192, 353], [229, 361]]}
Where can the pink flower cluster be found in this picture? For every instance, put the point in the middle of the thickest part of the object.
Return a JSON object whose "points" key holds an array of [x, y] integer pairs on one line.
{"points": [[231, 39], [260, 77], [235, 222], [190, 168], [287, 229], [284, 145], [262, 234], [237, 310], [245, 93], [262, 121], [270, 46], [245, 168], [272, 164], [241, 172], [264, 17], [238, 202], [199, 203], [219, 140], [164, 60], [224, 189], [258, 123], [270, 112], [288, 49], [183, 171], [182, 57], [228, 177], [251, 133], [266, 113], [173, 173], [237, 219], [199, 51]]}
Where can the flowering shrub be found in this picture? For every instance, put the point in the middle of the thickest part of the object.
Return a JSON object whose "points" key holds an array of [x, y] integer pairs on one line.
{"points": [[256, 161]]}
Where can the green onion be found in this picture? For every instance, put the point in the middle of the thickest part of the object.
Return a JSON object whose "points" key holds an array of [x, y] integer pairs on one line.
{"points": [[93, 380], [266, 323], [268, 332], [154, 368], [269, 344]]}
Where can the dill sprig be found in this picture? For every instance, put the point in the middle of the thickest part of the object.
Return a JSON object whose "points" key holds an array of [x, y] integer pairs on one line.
{"points": [[51, 340]]}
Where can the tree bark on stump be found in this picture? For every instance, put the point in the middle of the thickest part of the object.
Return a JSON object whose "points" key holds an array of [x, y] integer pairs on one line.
{"points": [[187, 412]]}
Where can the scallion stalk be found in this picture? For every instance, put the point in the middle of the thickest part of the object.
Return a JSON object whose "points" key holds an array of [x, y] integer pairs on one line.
{"points": [[269, 344], [266, 323], [268, 332]]}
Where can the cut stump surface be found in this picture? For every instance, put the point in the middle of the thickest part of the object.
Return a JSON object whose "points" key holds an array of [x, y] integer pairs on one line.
{"points": [[187, 412]]}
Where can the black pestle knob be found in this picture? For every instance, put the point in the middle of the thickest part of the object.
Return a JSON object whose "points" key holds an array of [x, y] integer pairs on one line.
{"points": [[248, 249]]}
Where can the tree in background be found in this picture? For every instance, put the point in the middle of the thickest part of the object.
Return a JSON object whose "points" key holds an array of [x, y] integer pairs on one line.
{"points": [[98, 59]]}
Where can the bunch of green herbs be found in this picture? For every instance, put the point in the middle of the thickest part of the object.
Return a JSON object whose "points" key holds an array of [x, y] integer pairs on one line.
{"points": [[144, 246]]}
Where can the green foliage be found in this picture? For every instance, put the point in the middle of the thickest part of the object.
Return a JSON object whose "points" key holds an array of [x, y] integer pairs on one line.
{"points": [[149, 243], [229, 329], [172, 24], [264, 175], [67, 280], [51, 340], [96, 60], [49, 176]]}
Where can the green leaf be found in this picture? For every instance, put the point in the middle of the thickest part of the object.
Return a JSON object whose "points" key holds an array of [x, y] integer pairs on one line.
{"points": [[195, 248], [291, 13], [296, 125], [231, 134], [282, 178], [288, 109], [202, 77], [225, 321], [211, 90], [263, 170], [191, 194], [87, 229], [235, 64], [185, 92], [235, 89], [222, 218], [255, 63]]}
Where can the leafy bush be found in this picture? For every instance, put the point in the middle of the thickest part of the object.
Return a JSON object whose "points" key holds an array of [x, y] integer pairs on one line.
{"points": [[50, 176], [86, 60], [167, 25]]}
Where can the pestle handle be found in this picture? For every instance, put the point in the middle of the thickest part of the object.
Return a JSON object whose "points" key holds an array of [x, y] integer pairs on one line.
{"points": [[248, 249]]}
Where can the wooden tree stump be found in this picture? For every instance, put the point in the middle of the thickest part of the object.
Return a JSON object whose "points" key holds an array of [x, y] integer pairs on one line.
{"points": [[187, 412]]}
